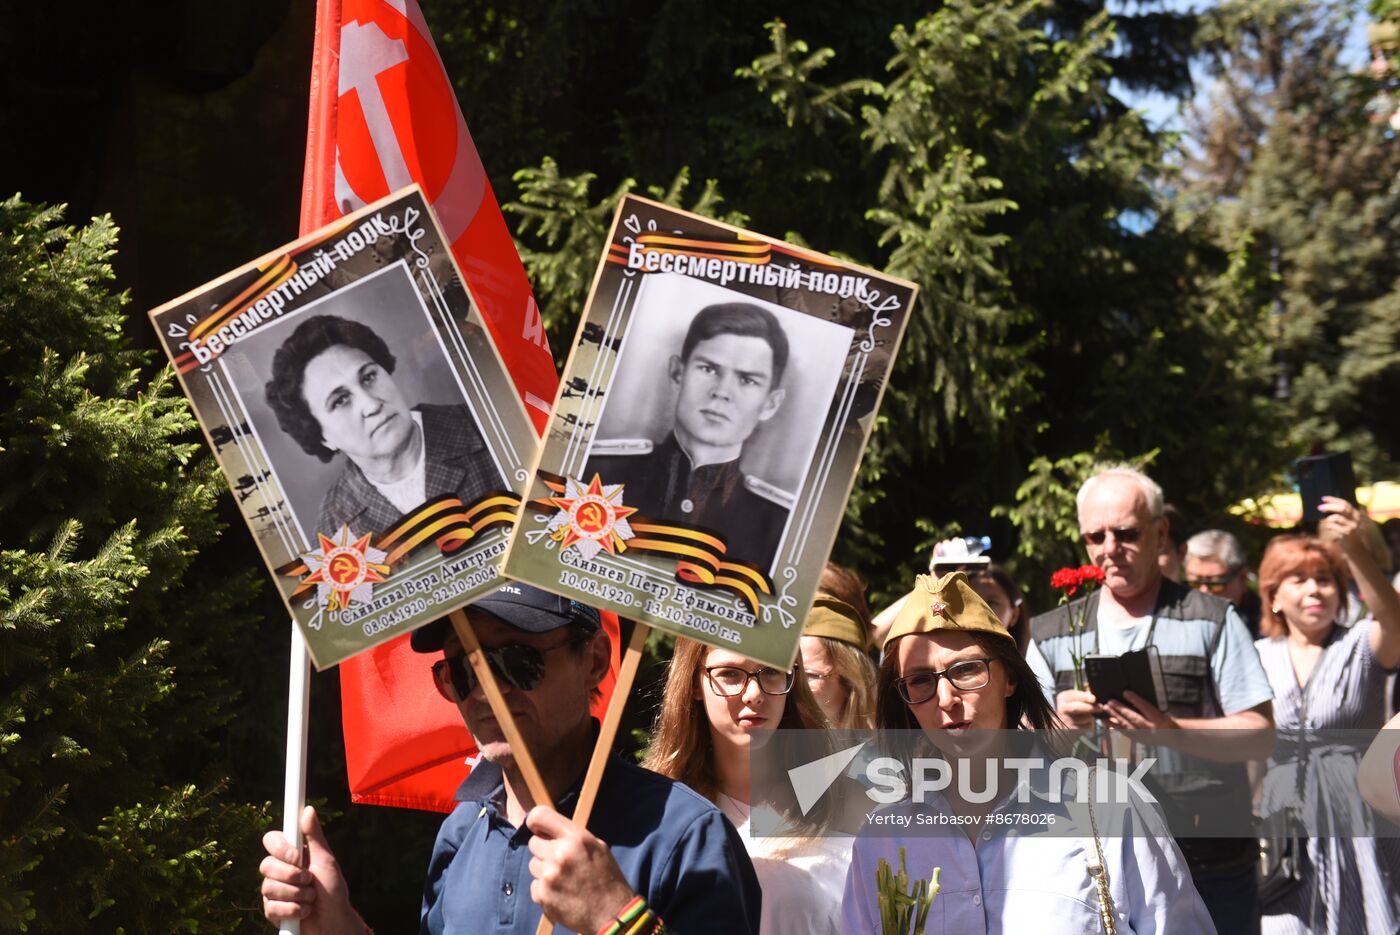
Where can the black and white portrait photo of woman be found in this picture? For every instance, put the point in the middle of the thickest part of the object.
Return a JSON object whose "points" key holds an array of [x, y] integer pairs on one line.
{"points": [[334, 391]]}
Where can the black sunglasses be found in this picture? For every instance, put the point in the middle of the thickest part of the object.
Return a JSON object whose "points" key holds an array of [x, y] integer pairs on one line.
{"points": [[1216, 583], [518, 665], [1127, 535]]}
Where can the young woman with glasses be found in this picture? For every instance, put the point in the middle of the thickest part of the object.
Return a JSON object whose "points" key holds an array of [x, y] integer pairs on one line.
{"points": [[717, 707], [835, 658], [955, 691]]}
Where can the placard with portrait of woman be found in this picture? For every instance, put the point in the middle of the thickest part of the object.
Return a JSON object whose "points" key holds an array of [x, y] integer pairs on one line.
{"points": [[364, 420]]}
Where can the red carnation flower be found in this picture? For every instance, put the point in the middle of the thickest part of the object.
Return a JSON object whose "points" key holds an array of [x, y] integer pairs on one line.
{"points": [[1066, 579], [1070, 580]]}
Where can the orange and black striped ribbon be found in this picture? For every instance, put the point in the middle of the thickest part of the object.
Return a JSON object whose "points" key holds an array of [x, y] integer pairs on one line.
{"points": [[699, 552], [274, 273], [742, 251], [444, 520]]}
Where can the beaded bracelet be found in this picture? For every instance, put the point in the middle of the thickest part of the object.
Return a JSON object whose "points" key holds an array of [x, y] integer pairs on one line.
{"points": [[636, 918]]}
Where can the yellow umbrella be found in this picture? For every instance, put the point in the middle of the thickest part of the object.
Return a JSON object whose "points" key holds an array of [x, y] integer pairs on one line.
{"points": [[1281, 510]]}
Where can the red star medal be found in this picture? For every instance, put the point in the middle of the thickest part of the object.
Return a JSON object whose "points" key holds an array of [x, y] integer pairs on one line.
{"points": [[345, 571]]}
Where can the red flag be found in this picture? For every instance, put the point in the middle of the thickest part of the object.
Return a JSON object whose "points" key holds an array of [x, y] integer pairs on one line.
{"points": [[384, 115]]}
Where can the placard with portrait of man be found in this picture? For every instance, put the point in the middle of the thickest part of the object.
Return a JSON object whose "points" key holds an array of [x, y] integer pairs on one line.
{"points": [[709, 424], [364, 420]]}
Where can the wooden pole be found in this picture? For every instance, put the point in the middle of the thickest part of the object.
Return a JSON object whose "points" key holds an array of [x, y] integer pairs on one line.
{"points": [[294, 778], [626, 674]]}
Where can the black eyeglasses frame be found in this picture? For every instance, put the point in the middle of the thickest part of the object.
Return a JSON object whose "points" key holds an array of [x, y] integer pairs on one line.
{"points": [[901, 684], [754, 676]]}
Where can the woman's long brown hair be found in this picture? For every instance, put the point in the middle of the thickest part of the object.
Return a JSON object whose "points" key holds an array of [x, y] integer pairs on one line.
{"points": [[681, 747]]}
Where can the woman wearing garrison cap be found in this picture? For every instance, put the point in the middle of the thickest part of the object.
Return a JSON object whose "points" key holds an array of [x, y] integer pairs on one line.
{"points": [[837, 664], [954, 686]]}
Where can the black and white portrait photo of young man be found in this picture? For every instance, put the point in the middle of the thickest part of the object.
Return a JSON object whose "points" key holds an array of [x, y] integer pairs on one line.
{"points": [[731, 377]]}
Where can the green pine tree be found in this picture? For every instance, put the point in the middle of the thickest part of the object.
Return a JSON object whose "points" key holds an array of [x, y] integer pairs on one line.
{"points": [[1061, 319], [1067, 312], [114, 815], [1296, 184]]}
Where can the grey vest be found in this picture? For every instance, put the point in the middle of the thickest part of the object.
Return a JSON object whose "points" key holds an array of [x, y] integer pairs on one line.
{"points": [[1190, 694], [1190, 689]]}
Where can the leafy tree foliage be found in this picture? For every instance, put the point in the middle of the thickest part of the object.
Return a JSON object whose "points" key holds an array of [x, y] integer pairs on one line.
{"points": [[1059, 313], [1060, 323], [1297, 186], [112, 816]]}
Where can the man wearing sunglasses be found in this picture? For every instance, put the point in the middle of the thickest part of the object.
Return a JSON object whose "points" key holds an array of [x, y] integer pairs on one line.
{"points": [[654, 851], [1216, 564], [1212, 672]]}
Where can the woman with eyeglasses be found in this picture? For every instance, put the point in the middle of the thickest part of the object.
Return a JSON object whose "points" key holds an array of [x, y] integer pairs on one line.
{"points": [[1327, 676], [834, 657], [954, 696], [718, 707]]}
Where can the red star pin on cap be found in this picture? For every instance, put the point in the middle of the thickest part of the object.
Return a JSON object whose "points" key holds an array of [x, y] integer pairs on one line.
{"points": [[948, 603]]}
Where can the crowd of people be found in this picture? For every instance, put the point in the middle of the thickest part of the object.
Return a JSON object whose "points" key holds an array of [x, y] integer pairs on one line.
{"points": [[1283, 681]]}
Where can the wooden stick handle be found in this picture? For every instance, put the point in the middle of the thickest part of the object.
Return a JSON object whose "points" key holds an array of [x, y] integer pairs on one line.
{"points": [[524, 762], [626, 674]]}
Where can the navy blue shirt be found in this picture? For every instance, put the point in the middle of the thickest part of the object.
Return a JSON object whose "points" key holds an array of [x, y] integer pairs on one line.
{"points": [[673, 846]]}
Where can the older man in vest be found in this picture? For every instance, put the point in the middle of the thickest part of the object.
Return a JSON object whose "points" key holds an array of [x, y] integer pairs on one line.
{"points": [[1212, 674]]}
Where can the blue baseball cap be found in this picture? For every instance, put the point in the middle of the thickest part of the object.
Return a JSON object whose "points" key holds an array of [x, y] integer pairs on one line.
{"points": [[522, 606]]}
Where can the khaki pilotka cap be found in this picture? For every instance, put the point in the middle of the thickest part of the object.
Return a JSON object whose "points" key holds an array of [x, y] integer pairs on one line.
{"points": [[945, 603], [836, 620]]}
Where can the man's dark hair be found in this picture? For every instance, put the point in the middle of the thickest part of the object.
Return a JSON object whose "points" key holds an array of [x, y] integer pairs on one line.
{"points": [[284, 391], [745, 320]]}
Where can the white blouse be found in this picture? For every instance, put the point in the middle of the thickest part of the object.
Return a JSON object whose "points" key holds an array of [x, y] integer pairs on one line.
{"points": [[802, 879]]}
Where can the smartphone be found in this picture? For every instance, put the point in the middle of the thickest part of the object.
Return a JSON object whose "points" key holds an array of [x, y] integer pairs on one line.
{"points": [[1324, 476]]}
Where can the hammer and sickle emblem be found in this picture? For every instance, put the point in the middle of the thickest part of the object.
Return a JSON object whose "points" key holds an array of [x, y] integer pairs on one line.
{"points": [[592, 518], [344, 568]]}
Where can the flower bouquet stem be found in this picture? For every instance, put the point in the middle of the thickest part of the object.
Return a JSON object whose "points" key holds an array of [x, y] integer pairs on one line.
{"points": [[1069, 581], [903, 911]]}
